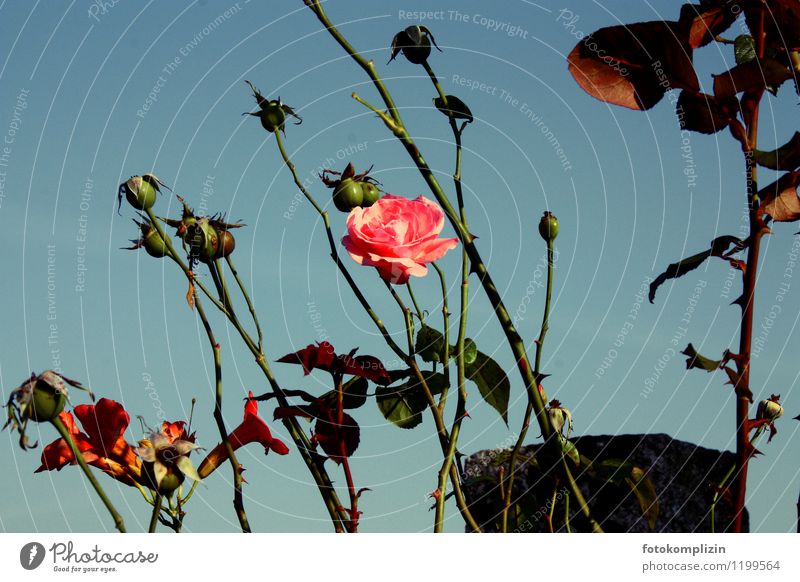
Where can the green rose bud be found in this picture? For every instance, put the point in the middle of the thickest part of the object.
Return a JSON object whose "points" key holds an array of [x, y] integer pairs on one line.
{"points": [[548, 227]]}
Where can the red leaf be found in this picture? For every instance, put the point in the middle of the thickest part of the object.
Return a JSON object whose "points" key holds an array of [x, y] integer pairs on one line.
{"points": [[312, 356], [633, 66], [781, 22], [780, 200], [706, 20], [752, 76], [323, 357], [331, 436], [704, 113]]}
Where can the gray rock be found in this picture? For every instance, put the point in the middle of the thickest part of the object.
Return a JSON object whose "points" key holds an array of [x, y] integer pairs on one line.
{"points": [[683, 475]]}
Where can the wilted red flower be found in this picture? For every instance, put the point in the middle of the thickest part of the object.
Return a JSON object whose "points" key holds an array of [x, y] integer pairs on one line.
{"points": [[252, 430], [103, 445], [322, 356]]}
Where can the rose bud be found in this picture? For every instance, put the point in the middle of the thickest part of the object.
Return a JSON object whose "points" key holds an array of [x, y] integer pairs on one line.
{"points": [[415, 43], [150, 241], [548, 227], [559, 417], [351, 190], [227, 244], [40, 398], [140, 191], [272, 113], [203, 241], [770, 409]]}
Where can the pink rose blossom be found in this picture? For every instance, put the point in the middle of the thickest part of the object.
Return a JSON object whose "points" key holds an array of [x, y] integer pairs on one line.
{"points": [[397, 236]]}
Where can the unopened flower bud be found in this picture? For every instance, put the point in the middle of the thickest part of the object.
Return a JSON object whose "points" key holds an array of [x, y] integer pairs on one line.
{"points": [[770, 409], [548, 227], [140, 191]]}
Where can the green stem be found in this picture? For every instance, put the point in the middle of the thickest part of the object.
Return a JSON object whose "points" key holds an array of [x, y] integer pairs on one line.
{"points": [[530, 406], [416, 305], [445, 440], [155, 514], [566, 513], [553, 507], [301, 441], [238, 498], [247, 299], [446, 326], [62, 430], [183, 500], [724, 482], [478, 267], [460, 412], [334, 253]]}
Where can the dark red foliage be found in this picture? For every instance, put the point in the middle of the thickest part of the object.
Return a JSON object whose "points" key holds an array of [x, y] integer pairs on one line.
{"points": [[634, 65], [322, 356], [329, 434], [703, 21]]}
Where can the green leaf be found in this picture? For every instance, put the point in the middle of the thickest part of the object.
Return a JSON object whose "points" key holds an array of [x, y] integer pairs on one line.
{"points": [[492, 383], [570, 450], [455, 107], [470, 351], [400, 406], [695, 360], [403, 405], [744, 49], [355, 393], [611, 471], [646, 495], [786, 157], [619, 472], [430, 344]]}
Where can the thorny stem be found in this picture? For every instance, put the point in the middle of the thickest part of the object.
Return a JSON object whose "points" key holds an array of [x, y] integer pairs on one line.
{"points": [[420, 314], [155, 514], [757, 230], [62, 430], [395, 124], [441, 430], [461, 404], [445, 440], [351, 490], [299, 438], [238, 499], [536, 370], [446, 328]]}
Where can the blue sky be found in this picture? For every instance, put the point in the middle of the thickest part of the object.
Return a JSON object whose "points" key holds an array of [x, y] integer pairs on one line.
{"points": [[91, 95]]}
